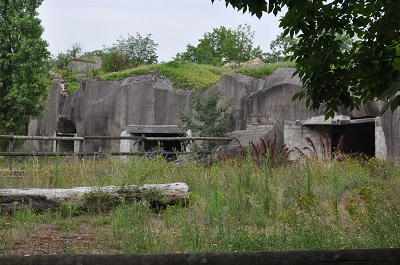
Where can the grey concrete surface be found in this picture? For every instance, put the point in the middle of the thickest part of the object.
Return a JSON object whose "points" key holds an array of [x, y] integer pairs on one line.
{"points": [[109, 107]]}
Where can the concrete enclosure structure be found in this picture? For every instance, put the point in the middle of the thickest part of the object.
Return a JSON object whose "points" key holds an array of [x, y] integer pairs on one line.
{"points": [[364, 136], [151, 131], [263, 108]]}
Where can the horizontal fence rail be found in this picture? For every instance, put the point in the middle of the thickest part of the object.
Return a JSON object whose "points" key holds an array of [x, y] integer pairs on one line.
{"points": [[94, 153], [322, 257], [11, 153], [83, 138], [145, 138], [22, 137]]}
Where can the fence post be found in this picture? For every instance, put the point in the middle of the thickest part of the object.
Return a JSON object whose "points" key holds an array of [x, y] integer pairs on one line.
{"points": [[10, 132], [142, 142]]}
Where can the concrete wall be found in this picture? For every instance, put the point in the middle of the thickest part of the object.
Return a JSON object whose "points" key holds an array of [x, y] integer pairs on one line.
{"points": [[295, 134], [391, 129], [365, 136], [46, 126], [108, 107]]}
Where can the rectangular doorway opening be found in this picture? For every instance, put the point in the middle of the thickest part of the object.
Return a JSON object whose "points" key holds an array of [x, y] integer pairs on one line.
{"points": [[65, 146], [162, 131], [358, 138]]}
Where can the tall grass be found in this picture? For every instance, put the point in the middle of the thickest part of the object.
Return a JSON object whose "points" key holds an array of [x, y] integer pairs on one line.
{"points": [[236, 205]]}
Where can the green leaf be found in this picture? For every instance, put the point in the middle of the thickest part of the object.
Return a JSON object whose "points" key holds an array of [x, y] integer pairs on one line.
{"points": [[395, 103]]}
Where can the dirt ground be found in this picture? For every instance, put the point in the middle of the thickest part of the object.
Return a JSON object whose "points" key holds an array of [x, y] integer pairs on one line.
{"points": [[47, 239]]}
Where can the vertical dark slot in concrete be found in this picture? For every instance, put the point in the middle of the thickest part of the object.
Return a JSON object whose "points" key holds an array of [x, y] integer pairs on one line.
{"points": [[65, 128]]}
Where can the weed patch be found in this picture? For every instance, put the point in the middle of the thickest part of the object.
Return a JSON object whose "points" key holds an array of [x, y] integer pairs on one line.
{"points": [[236, 205], [190, 76]]}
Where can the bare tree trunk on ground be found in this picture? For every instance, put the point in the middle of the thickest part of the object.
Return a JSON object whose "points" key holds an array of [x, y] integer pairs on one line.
{"points": [[94, 198]]}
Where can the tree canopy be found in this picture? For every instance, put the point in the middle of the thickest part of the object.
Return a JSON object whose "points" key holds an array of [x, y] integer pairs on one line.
{"points": [[332, 76], [221, 46], [23, 64], [130, 52], [280, 48]]}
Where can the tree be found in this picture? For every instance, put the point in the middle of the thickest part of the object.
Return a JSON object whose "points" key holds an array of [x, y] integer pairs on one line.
{"points": [[280, 48], [209, 118], [223, 45], [75, 51], [131, 52], [333, 76], [114, 61], [62, 59], [23, 64]]}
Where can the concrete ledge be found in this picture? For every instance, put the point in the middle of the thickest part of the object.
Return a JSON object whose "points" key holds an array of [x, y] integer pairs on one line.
{"points": [[157, 129], [356, 256]]}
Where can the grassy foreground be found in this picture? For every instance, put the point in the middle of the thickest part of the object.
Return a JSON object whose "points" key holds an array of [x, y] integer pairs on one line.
{"points": [[235, 206]]}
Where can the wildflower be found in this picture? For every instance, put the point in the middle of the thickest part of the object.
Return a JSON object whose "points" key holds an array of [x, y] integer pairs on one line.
{"points": [[155, 153]]}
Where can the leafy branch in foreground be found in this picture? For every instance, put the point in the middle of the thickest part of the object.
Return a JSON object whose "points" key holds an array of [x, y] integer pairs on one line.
{"points": [[367, 70]]}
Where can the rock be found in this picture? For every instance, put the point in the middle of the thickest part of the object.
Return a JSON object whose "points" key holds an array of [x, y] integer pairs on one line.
{"points": [[257, 62], [55, 75], [84, 67], [243, 138], [253, 63]]}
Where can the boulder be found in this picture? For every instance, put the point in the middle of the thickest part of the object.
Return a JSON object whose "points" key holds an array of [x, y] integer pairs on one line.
{"points": [[257, 62], [84, 67], [244, 138]]}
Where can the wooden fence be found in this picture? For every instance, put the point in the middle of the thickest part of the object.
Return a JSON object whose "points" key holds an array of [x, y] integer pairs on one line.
{"points": [[324, 257], [142, 139], [11, 138]]}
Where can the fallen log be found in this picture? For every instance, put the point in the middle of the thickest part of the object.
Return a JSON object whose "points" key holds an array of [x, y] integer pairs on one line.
{"points": [[94, 199]]}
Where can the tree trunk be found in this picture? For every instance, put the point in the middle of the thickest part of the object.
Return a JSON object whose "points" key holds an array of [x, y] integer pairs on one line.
{"points": [[94, 199]]}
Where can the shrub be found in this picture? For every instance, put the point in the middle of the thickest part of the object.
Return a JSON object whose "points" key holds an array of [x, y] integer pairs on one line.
{"points": [[115, 62], [210, 118]]}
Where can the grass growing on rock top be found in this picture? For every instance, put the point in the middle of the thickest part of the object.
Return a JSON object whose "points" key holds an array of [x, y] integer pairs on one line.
{"points": [[191, 76], [235, 205]]}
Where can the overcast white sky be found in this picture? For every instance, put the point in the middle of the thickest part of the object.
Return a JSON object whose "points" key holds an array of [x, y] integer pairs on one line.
{"points": [[172, 23]]}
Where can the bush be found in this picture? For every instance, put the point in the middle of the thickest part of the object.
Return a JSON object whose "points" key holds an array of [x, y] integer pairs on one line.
{"points": [[210, 119], [115, 62]]}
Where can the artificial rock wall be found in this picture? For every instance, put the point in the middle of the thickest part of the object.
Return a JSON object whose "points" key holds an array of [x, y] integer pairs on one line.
{"points": [[261, 108], [106, 108]]}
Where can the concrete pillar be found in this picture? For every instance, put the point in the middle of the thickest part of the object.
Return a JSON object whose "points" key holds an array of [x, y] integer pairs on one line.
{"points": [[380, 140], [125, 145], [77, 144], [189, 134]]}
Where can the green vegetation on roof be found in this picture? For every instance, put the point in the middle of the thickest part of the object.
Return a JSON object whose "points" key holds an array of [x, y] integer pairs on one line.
{"points": [[191, 76], [84, 60]]}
